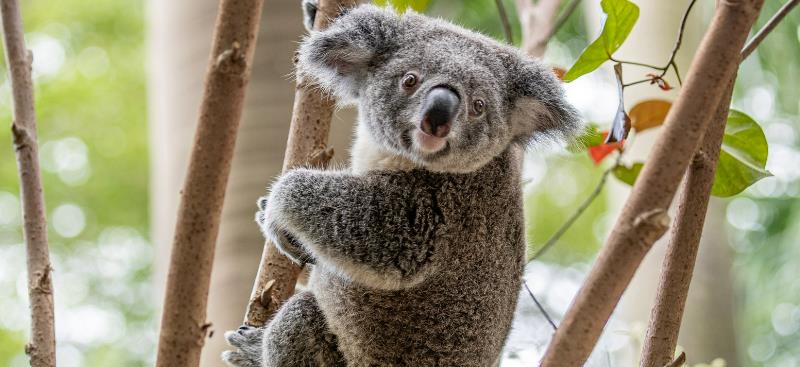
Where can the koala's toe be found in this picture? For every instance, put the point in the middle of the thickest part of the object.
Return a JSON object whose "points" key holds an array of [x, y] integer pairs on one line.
{"points": [[235, 338], [237, 359]]}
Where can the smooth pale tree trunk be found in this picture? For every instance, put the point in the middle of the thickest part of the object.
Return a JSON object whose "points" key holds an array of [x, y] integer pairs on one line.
{"points": [[707, 329], [179, 41]]}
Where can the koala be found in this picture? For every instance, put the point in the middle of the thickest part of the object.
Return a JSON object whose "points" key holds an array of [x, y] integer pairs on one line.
{"points": [[418, 248]]}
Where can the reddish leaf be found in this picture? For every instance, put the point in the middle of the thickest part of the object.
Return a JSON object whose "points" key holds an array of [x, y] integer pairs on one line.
{"points": [[600, 152]]}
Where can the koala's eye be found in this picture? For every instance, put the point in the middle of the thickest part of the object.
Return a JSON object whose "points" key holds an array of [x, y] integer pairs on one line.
{"points": [[409, 81], [478, 108]]}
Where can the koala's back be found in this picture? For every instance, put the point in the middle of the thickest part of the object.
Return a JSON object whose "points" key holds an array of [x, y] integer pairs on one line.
{"points": [[460, 314]]}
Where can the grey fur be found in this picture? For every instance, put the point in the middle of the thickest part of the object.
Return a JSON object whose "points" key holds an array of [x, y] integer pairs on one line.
{"points": [[418, 255]]}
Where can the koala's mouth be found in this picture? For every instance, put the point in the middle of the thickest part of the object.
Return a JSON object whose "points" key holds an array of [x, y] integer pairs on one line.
{"points": [[427, 144], [424, 147]]}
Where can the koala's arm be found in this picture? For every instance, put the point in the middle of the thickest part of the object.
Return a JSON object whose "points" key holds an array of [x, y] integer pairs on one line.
{"points": [[379, 228]]}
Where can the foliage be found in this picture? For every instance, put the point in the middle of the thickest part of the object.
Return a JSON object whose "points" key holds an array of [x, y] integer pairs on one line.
{"points": [[743, 157], [621, 15], [402, 5]]}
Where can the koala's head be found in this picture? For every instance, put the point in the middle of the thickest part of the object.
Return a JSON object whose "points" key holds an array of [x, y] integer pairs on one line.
{"points": [[440, 95]]}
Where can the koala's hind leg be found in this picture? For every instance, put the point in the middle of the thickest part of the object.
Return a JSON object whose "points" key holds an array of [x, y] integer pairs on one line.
{"points": [[298, 336]]}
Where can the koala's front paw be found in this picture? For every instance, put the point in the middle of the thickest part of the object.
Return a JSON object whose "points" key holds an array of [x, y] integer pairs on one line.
{"points": [[280, 236], [249, 347]]}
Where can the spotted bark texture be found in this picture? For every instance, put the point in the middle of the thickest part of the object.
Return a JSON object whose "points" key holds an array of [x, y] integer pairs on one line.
{"points": [[183, 324], [42, 346], [307, 145]]}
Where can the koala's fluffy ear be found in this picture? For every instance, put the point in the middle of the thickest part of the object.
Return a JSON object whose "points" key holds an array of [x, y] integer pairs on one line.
{"points": [[338, 57], [540, 108]]}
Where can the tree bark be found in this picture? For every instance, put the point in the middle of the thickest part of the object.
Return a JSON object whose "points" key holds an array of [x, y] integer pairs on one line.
{"points": [[307, 145], [42, 347], [538, 23], [183, 325], [677, 271], [644, 219], [676, 275]]}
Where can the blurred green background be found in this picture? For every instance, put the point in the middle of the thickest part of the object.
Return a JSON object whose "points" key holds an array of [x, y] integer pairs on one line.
{"points": [[91, 107]]}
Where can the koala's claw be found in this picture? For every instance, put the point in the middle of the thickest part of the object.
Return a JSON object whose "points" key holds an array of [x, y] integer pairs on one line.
{"points": [[248, 343], [286, 243]]}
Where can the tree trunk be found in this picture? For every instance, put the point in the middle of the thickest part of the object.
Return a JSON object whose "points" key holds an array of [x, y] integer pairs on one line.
{"points": [[180, 31], [644, 219], [42, 345], [183, 326], [307, 144], [651, 41], [679, 261]]}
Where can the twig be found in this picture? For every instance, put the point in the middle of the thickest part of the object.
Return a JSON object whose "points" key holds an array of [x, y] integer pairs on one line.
{"points": [[537, 22], [539, 305], [182, 326], [574, 217], [767, 28], [501, 11], [42, 345], [671, 61], [563, 17]]}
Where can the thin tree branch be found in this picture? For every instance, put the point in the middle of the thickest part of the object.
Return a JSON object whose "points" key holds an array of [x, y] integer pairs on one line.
{"points": [[767, 28], [501, 11], [539, 305], [42, 346], [537, 24], [679, 261], [183, 325], [574, 217], [306, 145], [671, 61], [563, 17], [644, 219]]}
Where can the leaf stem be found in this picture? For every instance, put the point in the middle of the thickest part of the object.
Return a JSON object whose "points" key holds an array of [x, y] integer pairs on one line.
{"points": [[671, 61], [636, 82], [635, 63], [563, 17]]}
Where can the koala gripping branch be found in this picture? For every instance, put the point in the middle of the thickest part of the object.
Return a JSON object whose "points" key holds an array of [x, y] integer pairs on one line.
{"points": [[42, 347], [709, 76], [306, 146], [183, 324]]}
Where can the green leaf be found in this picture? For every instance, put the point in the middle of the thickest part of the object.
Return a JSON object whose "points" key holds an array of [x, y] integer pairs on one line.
{"points": [[621, 15], [743, 158], [402, 5], [591, 137], [628, 175]]}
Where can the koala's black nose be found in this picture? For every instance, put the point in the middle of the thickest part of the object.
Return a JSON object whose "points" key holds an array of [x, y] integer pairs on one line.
{"points": [[438, 111]]}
